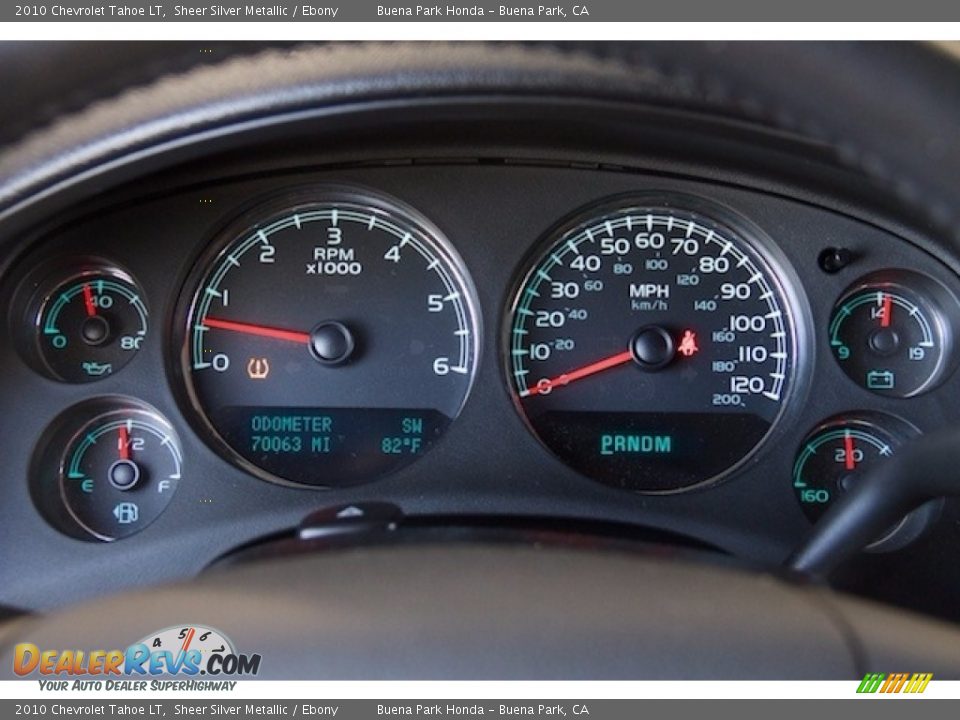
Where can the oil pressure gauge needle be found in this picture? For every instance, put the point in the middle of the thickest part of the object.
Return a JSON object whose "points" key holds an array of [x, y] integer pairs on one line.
{"points": [[88, 301]]}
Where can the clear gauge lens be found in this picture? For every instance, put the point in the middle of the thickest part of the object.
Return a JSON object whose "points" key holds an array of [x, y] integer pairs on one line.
{"points": [[891, 333], [90, 325], [651, 347], [331, 339]]}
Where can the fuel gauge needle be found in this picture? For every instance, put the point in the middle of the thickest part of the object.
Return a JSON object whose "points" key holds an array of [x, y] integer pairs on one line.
{"points": [[124, 442]]}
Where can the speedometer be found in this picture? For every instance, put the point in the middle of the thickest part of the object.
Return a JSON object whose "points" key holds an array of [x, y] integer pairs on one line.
{"points": [[650, 344]]}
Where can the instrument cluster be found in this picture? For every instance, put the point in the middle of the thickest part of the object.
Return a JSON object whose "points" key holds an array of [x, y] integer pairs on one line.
{"points": [[661, 349]]}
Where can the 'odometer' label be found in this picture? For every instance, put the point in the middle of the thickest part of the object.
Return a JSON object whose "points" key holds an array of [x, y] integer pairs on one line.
{"points": [[650, 348]]}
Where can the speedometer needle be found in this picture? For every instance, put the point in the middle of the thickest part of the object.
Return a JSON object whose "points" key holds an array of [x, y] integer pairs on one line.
{"points": [[261, 330], [545, 386]]}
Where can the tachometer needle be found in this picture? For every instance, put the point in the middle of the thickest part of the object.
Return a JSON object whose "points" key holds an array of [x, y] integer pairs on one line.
{"points": [[261, 330], [545, 386], [88, 300]]}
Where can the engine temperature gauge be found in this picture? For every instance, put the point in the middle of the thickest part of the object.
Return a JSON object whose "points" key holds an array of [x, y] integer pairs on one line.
{"points": [[892, 333], [838, 453]]}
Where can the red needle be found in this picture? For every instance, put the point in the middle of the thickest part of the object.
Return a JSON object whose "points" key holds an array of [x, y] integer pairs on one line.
{"points": [[887, 314], [545, 386], [124, 443], [187, 640], [88, 300], [848, 451], [261, 330]]}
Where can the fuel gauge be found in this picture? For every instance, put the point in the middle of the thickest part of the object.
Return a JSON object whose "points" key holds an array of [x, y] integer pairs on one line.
{"points": [[892, 333], [119, 466]]}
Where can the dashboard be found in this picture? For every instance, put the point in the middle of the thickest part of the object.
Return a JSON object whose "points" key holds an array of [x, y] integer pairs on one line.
{"points": [[499, 309]]}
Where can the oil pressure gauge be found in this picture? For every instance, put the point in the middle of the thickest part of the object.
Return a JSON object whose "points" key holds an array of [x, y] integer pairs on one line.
{"points": [[82, 322], [892, 333]]}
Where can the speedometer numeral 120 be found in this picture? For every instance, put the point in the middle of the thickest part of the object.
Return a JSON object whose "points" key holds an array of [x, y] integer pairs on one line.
{"points": [[650, 346]]}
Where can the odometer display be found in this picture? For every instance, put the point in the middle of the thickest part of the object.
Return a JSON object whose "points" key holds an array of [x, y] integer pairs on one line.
{"points": [[650, 347], [332, 339]]}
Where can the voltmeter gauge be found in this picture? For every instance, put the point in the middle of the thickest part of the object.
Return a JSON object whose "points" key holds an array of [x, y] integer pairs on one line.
{"points": [[840, 451], [89, 324], [892, 333], [119, 466]]}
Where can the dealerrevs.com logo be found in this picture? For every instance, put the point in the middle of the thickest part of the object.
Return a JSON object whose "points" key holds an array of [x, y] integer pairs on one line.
{"points": [[190, 650]]}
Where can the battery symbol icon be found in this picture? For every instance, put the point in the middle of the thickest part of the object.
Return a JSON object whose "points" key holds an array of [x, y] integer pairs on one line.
{"points": [[880, 380]]}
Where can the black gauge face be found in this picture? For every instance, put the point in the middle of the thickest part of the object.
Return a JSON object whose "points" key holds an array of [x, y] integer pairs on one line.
{"points": [[650, 347], [90, 325], [331, 340], [891, 333]]}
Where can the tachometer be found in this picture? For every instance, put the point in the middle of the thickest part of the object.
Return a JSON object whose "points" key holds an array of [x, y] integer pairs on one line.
{"points": [[331, 339], [650, 345]]}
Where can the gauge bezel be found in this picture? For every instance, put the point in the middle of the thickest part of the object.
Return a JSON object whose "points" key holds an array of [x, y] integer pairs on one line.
{"points": [[262, 210], [778, 270]]}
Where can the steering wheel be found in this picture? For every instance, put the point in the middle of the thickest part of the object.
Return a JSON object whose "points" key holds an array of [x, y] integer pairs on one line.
{"points": [[478, 609]]}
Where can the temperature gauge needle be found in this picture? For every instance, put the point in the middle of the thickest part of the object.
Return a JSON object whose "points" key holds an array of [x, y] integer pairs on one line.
{"points": [[259, 330], [848, 452], [545, 386]]}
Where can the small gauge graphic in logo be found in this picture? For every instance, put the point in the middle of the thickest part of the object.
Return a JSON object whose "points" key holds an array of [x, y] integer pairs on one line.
{"points": [[184, 638]]}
